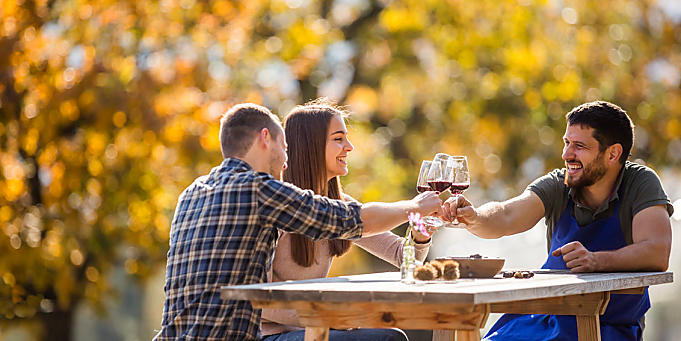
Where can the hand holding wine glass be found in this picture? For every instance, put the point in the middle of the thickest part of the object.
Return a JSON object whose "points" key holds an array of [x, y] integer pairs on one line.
{"points": [[461, 177], [459, 206]]}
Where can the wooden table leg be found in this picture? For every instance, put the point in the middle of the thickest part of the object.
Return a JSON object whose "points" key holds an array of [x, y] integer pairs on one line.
{"points": [[316, 334], [468, 335], [588, 328], [458, 335], [443, 335]]}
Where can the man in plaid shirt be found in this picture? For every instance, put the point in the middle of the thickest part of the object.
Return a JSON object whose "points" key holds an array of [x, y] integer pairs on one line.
{"points": [[226, 223]]}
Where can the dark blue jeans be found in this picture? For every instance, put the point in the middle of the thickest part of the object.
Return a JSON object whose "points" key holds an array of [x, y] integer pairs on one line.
{"points": [[361, 334]]}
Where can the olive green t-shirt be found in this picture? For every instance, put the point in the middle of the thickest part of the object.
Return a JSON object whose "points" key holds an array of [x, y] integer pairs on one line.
{"points": [[637, 187]]}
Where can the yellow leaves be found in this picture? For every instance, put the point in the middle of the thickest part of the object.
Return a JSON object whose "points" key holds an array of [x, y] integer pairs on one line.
{"points": [[64, 286], [140, 213], [92, 274], [119, 118], [532, 98], [9, 279], [9, 23], [95, 143], [489, 85], [125, 68], [21, 72], [86, 99], [569, 87], [76, 257], [488, 129], [52, 245], [298, 37], [95, 167], [181, 100], [69, 110], [162, 225], [174, 131], [131, 266], [210, 140], [467, 59], [673, 129], [31, 141], [14, 188], [399, 19], [363, 100], [223, 9], [6, 214]]}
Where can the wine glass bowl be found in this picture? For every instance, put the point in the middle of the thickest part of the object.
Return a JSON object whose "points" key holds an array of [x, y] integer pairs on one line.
{"points": [[422, 182], [440, 176], [461, 178]]}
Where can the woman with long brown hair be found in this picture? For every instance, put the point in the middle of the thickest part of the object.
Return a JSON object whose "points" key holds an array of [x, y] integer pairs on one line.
{"points": [[317, 148]]}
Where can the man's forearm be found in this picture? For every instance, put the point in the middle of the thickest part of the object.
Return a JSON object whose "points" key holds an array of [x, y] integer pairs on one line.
{"points": [[490, 221], [641, 256]]}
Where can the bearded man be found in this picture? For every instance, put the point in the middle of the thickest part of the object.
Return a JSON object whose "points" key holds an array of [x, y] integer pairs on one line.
{"points": [[603, 214]]}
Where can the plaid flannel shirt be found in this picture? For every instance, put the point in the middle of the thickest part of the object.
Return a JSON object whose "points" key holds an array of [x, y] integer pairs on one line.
{"points": [[224, 232]]}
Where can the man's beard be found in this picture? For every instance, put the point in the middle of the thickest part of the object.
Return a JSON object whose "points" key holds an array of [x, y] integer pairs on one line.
{"points": [[591, 173], [275, 167]]}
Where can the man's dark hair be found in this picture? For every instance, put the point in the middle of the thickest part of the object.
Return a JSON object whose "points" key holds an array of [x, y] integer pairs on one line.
{"points": [[240, 125], [610, 123]]}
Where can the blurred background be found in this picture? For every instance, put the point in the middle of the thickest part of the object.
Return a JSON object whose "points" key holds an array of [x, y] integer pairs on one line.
{"points": [[110, 109]]}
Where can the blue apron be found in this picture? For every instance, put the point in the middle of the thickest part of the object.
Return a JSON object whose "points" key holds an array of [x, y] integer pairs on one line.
{"points": [[621, 320]]}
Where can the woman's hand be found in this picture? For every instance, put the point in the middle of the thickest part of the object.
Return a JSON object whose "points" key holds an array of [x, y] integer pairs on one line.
{"points": [[428, 203]]}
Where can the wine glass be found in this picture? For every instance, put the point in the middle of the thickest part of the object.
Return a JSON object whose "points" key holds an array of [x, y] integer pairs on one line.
{"points": [[440, 176], [422, 182], [437, 178], [461, 177]]}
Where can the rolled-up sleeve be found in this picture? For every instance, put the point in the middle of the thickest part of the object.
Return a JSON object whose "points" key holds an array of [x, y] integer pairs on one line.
{"points": [[289, 208]]}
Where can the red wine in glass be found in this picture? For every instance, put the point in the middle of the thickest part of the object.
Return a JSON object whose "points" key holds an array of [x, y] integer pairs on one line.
{"points": [[422, 189], [459, 187], [439, 186]]}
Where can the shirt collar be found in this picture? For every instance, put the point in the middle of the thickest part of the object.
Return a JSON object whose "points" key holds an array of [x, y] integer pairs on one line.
{"points": [[233, 163], [614, 195]]}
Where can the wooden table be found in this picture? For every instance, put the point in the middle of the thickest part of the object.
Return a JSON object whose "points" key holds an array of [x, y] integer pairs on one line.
{"points": [[451, 310]]}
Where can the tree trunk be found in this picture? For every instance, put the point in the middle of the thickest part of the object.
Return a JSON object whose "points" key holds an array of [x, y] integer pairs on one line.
{"points": [[57, 325]]}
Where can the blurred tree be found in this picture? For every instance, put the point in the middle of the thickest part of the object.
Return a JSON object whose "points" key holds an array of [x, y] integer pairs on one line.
{"points": [[110, 108]]}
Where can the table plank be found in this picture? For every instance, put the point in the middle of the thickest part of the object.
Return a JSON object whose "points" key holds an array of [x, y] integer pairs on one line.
{"points": [[582, 304], [387, 288], [385, 315]]}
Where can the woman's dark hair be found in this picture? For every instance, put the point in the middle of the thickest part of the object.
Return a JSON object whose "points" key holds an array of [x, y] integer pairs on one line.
{"points": [[610, 123], [306, 128]]}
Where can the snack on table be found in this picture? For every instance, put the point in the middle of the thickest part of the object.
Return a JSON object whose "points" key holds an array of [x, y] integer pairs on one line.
{"points": [[451, 270], [438, 269], [425, 272], [438, 266], [517, 274]]}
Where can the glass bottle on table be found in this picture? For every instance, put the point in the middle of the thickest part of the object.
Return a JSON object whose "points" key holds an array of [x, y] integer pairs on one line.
{"points": [[408, 262]]}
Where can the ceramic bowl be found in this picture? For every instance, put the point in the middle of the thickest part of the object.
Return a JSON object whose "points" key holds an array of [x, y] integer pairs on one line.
{"points": [[477, 267]]}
